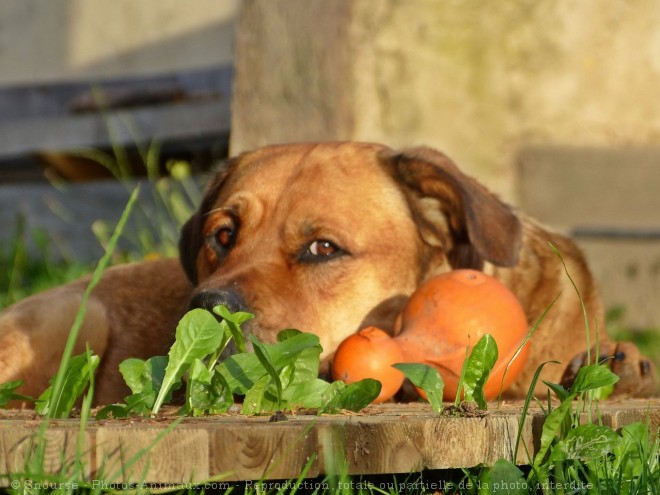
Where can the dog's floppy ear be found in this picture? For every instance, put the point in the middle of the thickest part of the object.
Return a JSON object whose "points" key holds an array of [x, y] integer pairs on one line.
{"points": [[191, 239], [453, 211]]}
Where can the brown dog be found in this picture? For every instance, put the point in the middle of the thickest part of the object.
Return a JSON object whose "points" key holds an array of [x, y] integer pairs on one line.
{"points": [[326, 238]]}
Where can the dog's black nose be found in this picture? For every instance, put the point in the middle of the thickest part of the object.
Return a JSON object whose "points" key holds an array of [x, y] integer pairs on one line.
{"points": [[209, 299]]}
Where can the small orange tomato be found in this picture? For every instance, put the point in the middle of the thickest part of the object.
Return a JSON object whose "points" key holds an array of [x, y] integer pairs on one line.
{"points": [[370, 353]]}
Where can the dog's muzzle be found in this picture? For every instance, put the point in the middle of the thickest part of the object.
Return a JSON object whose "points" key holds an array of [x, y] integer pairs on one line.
{"points": [[209, 299]]}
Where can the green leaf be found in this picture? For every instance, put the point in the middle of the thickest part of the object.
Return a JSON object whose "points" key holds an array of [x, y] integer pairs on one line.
{"points": [[287, 334], [8, 393], [242, 371], [353, 397], [587, 443], [309, 394], [145, 379], [427, 378], [478, 367], [503, 477], [233, 322], [207, 391], [559, 391], [141, 376], [261, 398], [131, 369], [592, 377], [198, 334], [74, 382], [264, 358], [551, 426], [113, 411]]}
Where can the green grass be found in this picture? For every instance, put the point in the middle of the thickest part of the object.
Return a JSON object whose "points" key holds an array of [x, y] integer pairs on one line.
{"points": [[22, 274]]}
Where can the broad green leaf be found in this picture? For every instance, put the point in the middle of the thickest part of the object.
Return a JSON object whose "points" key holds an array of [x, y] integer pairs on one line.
{"points": [[260, 398], [8, 393], [427, 378], [142, 375], [355, 396], [559, 391], [603, 393], [308, 394], [233, 322], [587, 443], [287, 334], [241, 371], [478, 367], [74, 382], [207, 391], [223, 399], [288, 351], [264, 358], [593, 376], [197, 394], [198, 334], [145, 379], [634, 450], [503, 477], [131, 369], [329, 395], [113, 411], [551, 427]]}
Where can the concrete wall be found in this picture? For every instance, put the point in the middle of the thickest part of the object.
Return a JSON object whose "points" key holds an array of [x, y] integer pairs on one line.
{"points": [[481, 80], [69, 40]]}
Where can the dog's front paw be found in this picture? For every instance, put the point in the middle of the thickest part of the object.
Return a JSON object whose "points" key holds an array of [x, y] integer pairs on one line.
{"points": [[636, 373]]}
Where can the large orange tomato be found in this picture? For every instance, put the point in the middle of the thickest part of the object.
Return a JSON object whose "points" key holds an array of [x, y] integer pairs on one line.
{"points": [[454, 310], [370, 353]]}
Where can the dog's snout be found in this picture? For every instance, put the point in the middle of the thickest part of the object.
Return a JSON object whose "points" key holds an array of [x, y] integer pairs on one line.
{"points": [[209, 299]]}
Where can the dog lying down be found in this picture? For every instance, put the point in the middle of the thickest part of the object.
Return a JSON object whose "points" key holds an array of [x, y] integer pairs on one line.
{"points": [[327, 238]]}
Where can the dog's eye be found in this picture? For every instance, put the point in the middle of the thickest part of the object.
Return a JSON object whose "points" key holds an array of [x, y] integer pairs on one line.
{"points": [[224, 237], [320, 250]]}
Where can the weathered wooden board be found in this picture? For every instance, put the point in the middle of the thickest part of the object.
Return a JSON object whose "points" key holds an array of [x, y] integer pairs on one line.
{"points": [[390, 438]]}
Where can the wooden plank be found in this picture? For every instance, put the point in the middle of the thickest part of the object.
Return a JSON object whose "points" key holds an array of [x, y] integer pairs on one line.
{"points": [[122, 127], [18, 443], [262, 450], [389, 438], [181, 455]]}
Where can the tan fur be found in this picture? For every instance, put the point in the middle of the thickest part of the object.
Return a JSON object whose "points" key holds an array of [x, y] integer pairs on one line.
{"points": [[399, 217]]}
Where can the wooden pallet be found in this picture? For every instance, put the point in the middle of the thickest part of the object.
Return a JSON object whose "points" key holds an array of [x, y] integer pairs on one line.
{"points": [[390, 438]]}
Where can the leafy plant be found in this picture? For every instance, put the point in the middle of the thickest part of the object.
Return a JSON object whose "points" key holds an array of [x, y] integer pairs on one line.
{"points": [[76, 378], [279, 376], [426, 378], [8, 393]]}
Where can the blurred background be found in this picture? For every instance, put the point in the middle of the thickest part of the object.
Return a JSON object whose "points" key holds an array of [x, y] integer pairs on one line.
{"points": [[553, 105]]}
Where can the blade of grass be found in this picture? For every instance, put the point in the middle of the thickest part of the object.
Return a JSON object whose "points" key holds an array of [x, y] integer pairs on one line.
{"points": [[528, 400], [96, 277], [36, 462], [525, 340], [582, 306]]}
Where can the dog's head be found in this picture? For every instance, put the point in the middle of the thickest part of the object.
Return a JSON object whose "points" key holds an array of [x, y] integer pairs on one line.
{"points": [[331, 237]]}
